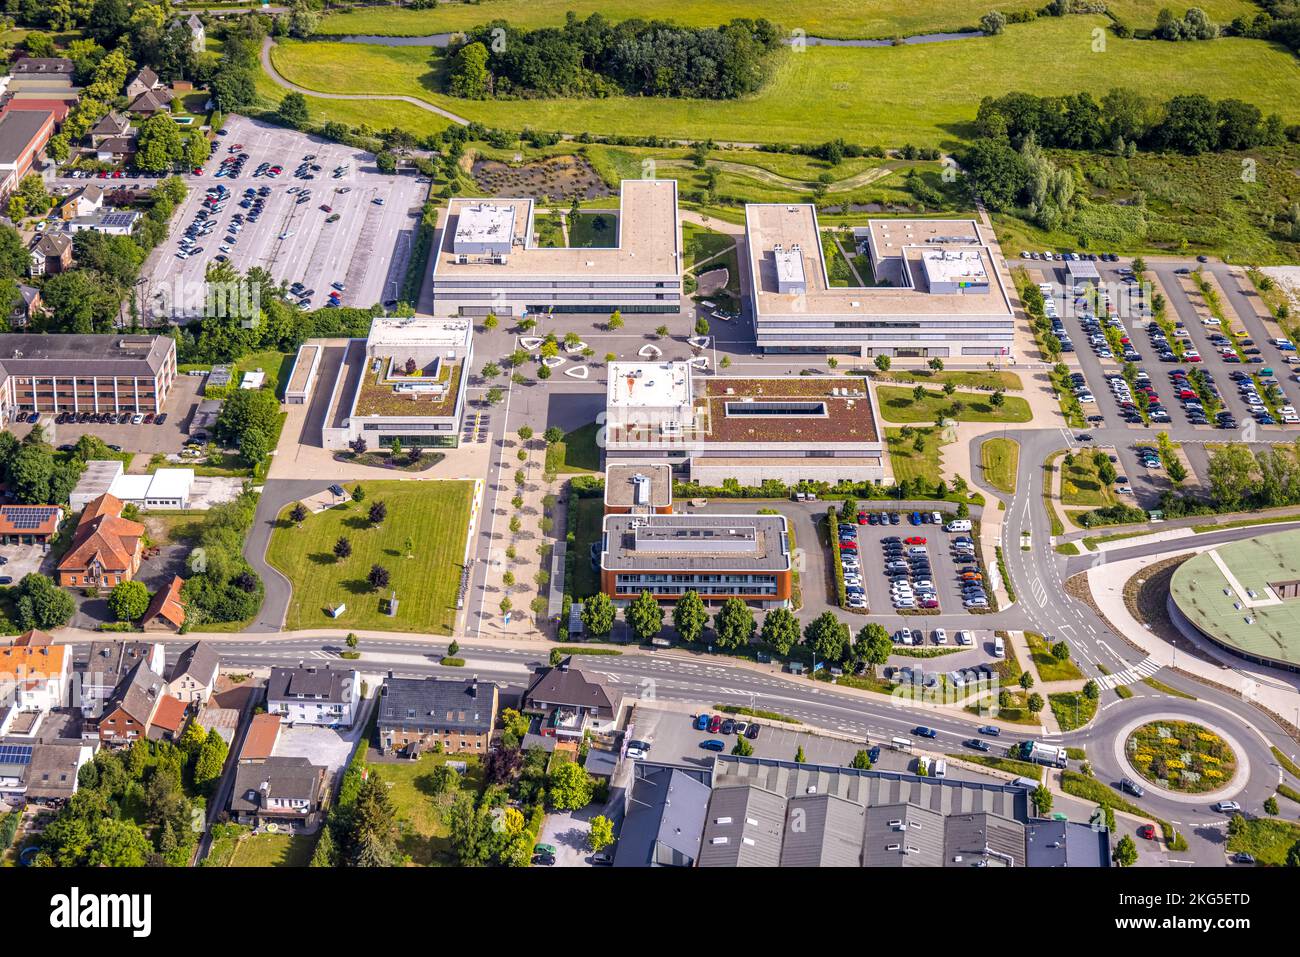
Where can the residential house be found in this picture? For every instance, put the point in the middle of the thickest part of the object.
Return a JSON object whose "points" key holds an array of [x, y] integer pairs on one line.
{"points": [[55, 765], [111, 222], [415, 713], [109, 663], [113, 124], [198, 35], [151, 103], [129, 710], [569, 702], [34, 673], [194, 675], [166, 612], [86, 201], [41, 772], [116, 149], [168, 720], [106, 548], [283, 791], [29, 524], [309, 694], [49, 253], [27, 306], [259, 741], [145, 81]]}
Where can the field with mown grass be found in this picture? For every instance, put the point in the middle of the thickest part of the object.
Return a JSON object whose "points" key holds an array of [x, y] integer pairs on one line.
{"points": [[830, 18], [897, 404], [926, 94], [1000, 459], [434, 515]]}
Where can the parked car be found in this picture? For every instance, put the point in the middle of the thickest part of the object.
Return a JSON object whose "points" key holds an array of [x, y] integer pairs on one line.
{"points": [[713, 744]]}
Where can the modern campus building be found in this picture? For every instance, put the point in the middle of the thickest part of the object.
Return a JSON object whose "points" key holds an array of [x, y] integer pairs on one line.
{"points": [[84, 373], [405, 381], [938, 291], [489, 260], [750, 429], [718, 556], [1244, 597]]}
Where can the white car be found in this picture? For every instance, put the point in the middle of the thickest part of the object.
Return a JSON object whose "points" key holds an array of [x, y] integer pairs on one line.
{"points": [[965, 638], [904, 603], [976, 603], [1226, 806], [638, 749], [1124, 489], [940, 636]]}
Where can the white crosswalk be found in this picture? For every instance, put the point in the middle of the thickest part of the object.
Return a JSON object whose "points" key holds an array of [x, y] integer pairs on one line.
{"points": [[1143, 669]]}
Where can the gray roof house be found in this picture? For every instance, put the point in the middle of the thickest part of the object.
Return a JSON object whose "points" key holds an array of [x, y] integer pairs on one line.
{"points": [[569, 701], [280, 790], [664, 819], [194, 675], [311, 695]]}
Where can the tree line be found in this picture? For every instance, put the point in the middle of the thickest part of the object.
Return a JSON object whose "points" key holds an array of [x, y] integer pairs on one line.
{"points": [[596, 58], [1125, 119]]}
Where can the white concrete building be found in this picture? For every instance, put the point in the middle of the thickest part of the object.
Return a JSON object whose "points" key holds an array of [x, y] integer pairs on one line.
{"points": [[164, 489], [489, 260], [932, 288]]}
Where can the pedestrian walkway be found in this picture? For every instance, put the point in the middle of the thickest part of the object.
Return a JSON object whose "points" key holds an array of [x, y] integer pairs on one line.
{"points": [[1145, 668]]}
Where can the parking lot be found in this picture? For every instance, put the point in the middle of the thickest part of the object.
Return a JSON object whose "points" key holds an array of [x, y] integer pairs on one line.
{"points": [[674, 739], [366, 249], [1201, 376], [167, 436], [908, 561]]}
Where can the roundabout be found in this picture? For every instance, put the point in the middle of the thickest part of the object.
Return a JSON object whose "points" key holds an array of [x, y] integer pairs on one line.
{"points": [[1175, 756]]}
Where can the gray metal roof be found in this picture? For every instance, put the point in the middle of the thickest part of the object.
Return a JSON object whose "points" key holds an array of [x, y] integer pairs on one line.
{"points": [[17, 129], [983, 840], [822, 830], [663, 543], [743, 829], [446, 704], [566, 685], [664, 819], [1067, 844], [903, 835], [200, 660]]}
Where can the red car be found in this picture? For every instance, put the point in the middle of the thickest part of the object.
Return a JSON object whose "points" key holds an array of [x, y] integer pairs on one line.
{"points": [[1147, 832], [326, 209], [198, 171], [848, 546], [862, 518], [914, 540], [715, 723]]}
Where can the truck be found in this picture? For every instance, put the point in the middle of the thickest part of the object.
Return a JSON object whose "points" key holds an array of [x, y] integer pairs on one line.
{"points": [[1048, 754]]}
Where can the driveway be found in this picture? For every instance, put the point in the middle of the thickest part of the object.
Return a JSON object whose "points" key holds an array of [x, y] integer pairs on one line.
{"points": [[567, 831], [276, 494]]}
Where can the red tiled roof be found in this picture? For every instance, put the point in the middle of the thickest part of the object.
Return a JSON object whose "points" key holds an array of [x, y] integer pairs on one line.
{"points": [[170, 714], [260, 739], [167, 603], [102, 533]]}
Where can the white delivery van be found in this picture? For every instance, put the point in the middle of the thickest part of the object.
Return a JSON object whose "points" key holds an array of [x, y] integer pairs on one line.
{"points": [[940, 768], [999, 649], [958, 525]]}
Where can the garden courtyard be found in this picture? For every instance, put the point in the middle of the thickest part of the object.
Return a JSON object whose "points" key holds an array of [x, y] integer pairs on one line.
{"points": [[420, 543]]}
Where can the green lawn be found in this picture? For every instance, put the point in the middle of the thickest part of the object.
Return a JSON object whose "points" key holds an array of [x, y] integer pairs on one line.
{"points": [[1072, 709], [577, 452], [1049, 669], [236, 846], [276, 365], [1022, 768], [830, 18], [923, 93], [1000, 459], [1268, 839], [434, 515], [593, 230], [897, 404], [702, 244], [961, 378], [1080, 485], [909, 463], [422, 833], [587, 529]]}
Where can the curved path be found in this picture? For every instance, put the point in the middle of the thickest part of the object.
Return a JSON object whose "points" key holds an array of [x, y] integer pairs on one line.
{"points": [[428, 107], [785, 182]]}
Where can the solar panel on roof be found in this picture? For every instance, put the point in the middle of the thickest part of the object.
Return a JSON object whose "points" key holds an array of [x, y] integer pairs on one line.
{"points": [[15, 754]]}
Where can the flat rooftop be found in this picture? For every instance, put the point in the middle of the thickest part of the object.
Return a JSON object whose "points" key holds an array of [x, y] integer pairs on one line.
{"points": [[770, 225], [417, 333], [648, 242], [732, 543], [621, 486], [1221, 605], [649, 385], [788, 409], [377, 395], [308, 354]]}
